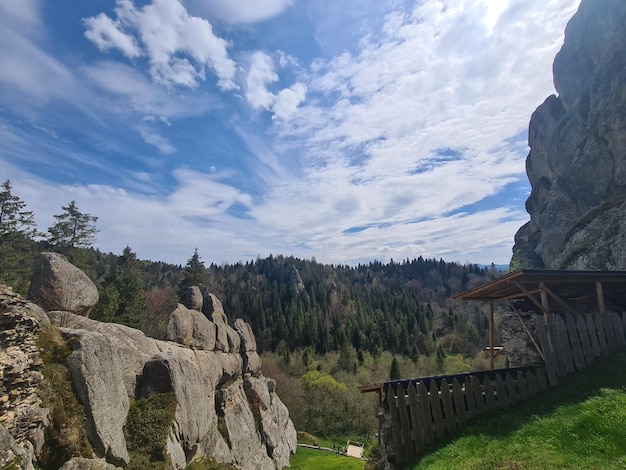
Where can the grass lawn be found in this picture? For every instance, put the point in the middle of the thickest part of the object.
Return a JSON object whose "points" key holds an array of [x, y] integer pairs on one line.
{"points": [[311, 459], [581, 424]]}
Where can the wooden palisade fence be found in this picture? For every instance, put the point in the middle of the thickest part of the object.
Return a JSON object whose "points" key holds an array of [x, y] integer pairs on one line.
{"points": [[426, 409]]}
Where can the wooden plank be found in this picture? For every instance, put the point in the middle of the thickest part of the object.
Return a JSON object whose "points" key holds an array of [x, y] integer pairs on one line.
{"points": [[593, 335], [522, 385], [479, 397], [542, 380], [416, 421], [436, 407], [583, 333], [396, 431], [608, 330], [602, 339], [490, 398], [503, 397], [448, 407], [470, 398], [572, 332], [565, 349], [550, 360], [427, 419], [624, 322], [511, 387], [618, 328], [459, 402], [554, 340], [405, 425], [533, 388]]}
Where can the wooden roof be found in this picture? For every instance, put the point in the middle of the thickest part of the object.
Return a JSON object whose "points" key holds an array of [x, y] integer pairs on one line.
{"points": [[571, 285]]}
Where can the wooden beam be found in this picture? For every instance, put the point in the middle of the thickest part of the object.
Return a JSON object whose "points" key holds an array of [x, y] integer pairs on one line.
{"points": [[532, 299], [558, 299], [491, 337], [527, 331], [600, 295]]}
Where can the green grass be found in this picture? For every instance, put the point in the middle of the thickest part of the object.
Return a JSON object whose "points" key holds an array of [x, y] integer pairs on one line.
{"points": [[581, 424], [311, 459]]}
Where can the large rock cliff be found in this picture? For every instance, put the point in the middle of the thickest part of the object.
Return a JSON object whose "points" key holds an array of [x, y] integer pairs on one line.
{"points": [[225, 408], [577, 160]]}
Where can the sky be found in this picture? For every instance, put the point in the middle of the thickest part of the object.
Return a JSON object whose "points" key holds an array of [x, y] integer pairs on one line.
{"points": [[345, 131]]}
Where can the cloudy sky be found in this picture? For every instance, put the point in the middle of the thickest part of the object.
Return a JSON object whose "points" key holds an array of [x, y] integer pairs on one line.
{"points": [[337, 129]]}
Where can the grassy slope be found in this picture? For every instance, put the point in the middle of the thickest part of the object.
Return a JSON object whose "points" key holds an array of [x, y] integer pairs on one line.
{"points": [[581, 424], [309, 459]]}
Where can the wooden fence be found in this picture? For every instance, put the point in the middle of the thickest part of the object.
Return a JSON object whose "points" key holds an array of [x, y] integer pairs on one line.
{"points": [[424, 410]]}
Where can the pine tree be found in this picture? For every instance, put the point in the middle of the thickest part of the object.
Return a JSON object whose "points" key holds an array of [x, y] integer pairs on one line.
{"points": [[394, 372], [195, 274], [17, 246], [127, 280], [73, 228]]}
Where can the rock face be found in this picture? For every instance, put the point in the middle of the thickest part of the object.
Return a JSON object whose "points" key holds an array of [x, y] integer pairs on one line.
{"points": [[577, 160], [59, 285], [21, 416], [112, 364]]}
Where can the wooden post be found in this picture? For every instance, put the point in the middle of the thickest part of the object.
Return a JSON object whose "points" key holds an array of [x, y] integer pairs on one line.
{"points": [[600, 295], [491, 339]]}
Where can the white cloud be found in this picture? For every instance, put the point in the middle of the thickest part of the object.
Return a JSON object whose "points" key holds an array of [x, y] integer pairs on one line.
{"points": [[260, 75], [22, 11], [240, 11], [171, 39], [107, 34], [153, 138]]}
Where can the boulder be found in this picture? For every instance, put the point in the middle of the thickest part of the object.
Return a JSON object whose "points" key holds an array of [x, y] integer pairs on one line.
{"points": [[57, 284], [100, 386], [192, 299], [191, 328], [248, 342], [79, 463], [226, 338]]}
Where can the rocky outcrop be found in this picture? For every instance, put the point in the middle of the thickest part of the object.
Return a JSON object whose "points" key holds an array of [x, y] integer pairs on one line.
{"points": [[79, 463], [21, 415], [577, 160], [209, 385], [59, 285]]}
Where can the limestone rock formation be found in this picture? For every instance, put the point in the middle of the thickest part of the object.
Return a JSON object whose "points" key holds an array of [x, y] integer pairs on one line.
{"points": [[59, 285], [209, 385], [577, 160], [21, 415]]}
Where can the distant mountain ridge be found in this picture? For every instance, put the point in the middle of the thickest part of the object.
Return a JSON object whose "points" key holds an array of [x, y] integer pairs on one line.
{"points": [[577, 160]]}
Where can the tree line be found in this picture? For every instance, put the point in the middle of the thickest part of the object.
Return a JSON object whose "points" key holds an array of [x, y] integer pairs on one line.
{"points": [[402, 307]]}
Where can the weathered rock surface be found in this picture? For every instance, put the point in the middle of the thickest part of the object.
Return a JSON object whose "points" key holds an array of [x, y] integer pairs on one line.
{"points": [[191, 328], [209, 384], [59, 285], [577, 160], [518, 347], [12, 455], [79, 463], [21, 414], [193, 298]]}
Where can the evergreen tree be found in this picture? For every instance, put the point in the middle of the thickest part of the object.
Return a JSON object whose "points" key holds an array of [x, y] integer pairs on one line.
{"points": [[17, 247], [394, 372], [73, 228], [195, 274], [127, 280]]}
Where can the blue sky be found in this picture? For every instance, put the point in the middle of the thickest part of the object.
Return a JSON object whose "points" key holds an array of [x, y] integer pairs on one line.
{"points": [[341, 130]]}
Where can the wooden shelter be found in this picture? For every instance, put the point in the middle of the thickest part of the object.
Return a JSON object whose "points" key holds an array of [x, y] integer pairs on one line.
{"points": [[551, 291]]}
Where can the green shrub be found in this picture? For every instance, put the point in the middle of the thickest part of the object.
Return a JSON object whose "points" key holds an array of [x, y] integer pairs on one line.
{"points": [[146, 430], [66, 437]]}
